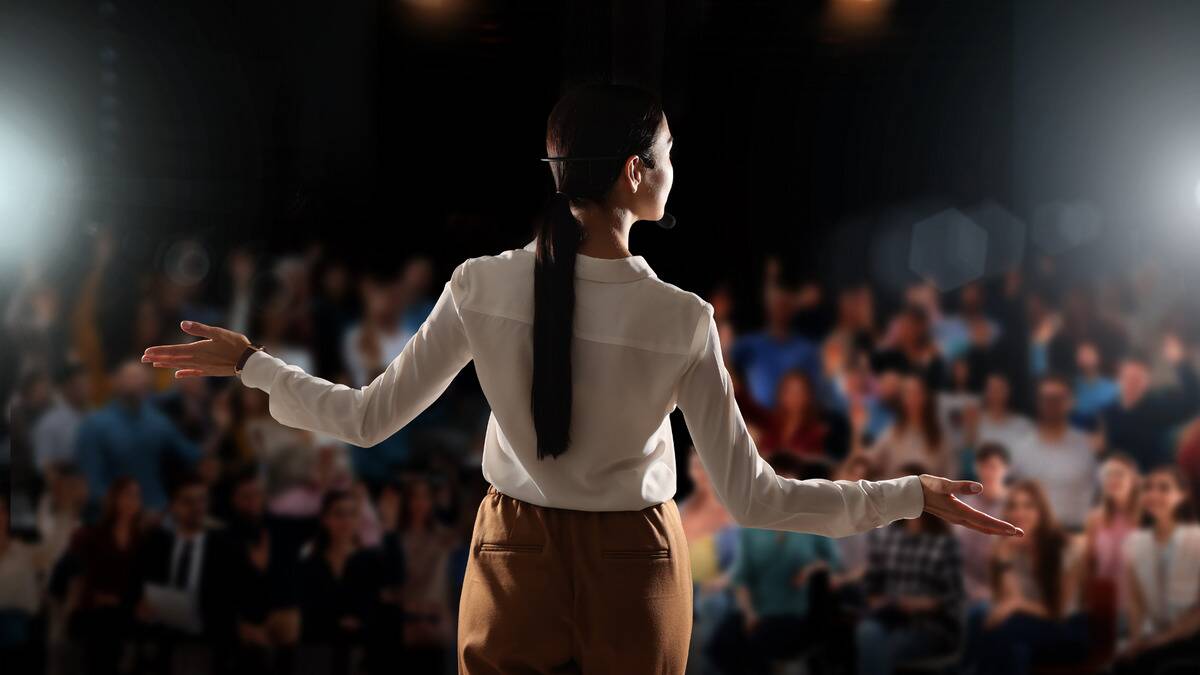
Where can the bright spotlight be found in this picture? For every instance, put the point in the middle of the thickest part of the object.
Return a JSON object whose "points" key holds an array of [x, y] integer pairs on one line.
{"points": [[29, 177]]}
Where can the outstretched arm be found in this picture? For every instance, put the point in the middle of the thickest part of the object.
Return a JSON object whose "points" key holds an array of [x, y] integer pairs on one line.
{"points": [[363, 416], [757, 497]]}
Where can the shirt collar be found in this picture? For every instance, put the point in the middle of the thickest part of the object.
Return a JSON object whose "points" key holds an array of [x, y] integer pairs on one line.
{"points": [[611, 270]]}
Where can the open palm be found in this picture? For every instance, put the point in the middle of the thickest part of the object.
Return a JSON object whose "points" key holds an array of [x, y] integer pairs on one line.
{"points": [[215, 355], [941, 500]]}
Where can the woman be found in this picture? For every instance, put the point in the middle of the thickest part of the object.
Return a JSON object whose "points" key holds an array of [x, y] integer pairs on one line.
{"points": [[425, 591], [1110, 523], [582, 353], [1163, 564], [1034, 615], [337, 584], [712, 538], [798, 426], [915, 438], [100, 599]]}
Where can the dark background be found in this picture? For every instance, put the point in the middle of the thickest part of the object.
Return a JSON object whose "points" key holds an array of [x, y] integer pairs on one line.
{"points": [[818, 131]]}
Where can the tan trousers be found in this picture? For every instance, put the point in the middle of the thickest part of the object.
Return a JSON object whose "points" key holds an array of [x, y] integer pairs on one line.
{"points": [[564, 591]]}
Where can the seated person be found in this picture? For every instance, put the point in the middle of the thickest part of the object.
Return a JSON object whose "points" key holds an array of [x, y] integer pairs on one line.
{"points": [[1034, 615], [914, 593], [771, 577], [1163, 565]]}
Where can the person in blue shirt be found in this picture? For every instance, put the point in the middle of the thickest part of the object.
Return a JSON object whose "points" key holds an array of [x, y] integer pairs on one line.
{"points": [[763, 357], [1093, 390], [779, 580], [130, 437]]}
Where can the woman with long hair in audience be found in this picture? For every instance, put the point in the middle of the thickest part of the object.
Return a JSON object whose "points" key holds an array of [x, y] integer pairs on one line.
{"points": [[1109, 524], [337, 584], [800, 426], [915, 437], [1163, 564], [712, 547], [428, 631], [101, 595], [1034, 617]]}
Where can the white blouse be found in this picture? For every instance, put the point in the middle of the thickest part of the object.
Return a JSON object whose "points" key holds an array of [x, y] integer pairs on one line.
{"points": [[1167, 576], [642, 348]]}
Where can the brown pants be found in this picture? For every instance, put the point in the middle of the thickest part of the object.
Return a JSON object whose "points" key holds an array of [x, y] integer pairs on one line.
{"points": [[564, 591]]}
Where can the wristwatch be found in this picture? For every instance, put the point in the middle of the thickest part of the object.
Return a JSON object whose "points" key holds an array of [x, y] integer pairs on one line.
{"points": [[241, 362]]}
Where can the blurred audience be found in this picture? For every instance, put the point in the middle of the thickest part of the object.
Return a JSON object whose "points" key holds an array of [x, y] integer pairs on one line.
{"points": [[155, 523]]}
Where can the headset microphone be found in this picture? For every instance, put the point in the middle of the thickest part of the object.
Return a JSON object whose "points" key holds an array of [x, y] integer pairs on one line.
{"points": [[667, 221]]}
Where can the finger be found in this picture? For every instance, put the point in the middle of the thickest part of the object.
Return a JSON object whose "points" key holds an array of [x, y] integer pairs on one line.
{"points": [[169, 358], [176, 361], [189, 372], [965, 487], [171, 350], [199, 329], [978, 519]]}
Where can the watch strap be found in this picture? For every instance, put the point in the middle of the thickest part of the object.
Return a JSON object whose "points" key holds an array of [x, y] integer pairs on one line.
{"points": [[249, 351]]}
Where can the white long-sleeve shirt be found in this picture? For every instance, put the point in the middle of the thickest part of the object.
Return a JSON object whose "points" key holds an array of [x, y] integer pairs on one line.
{"points": [[642, 347]]}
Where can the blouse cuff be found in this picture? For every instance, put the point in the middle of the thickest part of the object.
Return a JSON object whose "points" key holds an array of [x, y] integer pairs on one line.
{"points": [[904, 497], [260, 370]]}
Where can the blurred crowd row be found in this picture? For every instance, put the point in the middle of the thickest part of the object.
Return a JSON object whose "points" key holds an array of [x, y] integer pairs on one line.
{"points": [[163, 525]]}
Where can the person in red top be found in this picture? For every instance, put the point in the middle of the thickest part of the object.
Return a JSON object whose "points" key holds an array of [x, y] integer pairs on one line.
{"points": [[798, 425]]}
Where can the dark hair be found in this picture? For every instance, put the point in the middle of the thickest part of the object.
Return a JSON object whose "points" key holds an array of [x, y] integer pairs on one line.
{"points": [[108, 511], [991, 449], [592, 130], [812, 411], [1185, 512], [1049, 544], [1056, 378], [931, 427], [184, 481], [330, 500]]}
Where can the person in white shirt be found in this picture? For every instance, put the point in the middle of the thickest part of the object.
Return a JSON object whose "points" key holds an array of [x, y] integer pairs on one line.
{"points": [[997, 422], [1162, 562], [1062, 458], [578, 555]]}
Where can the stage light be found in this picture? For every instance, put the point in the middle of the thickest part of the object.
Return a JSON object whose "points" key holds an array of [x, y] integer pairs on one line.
{"points": [[29, 178]]}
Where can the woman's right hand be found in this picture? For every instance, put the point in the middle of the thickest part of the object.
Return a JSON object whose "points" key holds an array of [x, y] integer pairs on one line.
{"points": [[941, 501], [214, 356]]}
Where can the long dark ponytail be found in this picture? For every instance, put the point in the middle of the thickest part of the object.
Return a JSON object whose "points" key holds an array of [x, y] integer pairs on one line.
{"points": [[590, 133]]}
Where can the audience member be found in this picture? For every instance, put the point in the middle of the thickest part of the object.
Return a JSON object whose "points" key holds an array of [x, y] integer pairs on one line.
{"points": [[712, 547], [1163, 562], [105, 585], [915, 437], [130, 437], [1109, 524], [914, 594], [1060, 457], [1034, 617], [1140, 421], [773, 579], [992, 462]]}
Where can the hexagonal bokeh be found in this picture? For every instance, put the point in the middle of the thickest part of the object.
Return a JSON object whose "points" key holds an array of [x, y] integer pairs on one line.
{"points": [[1005, 236], [1063, 225], [948, 249]]}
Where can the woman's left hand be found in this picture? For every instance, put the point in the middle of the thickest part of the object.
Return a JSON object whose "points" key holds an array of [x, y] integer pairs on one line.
{"points": [[941, 501]]}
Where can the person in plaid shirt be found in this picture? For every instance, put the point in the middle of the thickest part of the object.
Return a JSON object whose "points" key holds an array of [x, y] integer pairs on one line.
{"points": [[914, 587]]}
